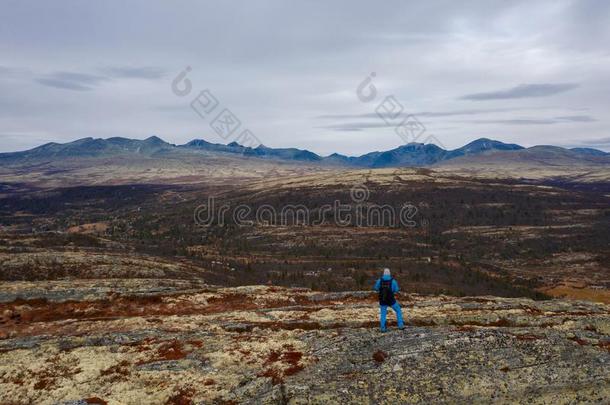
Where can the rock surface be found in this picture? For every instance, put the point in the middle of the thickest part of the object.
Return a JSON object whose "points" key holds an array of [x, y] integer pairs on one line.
{"points": [[167, 341]]}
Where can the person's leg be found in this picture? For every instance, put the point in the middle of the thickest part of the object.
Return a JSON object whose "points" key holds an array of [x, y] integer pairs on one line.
{"points": [[396, 308], [383, 309]]}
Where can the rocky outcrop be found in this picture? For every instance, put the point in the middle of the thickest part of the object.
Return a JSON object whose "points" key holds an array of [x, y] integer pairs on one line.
{"points": [[178, 342]]}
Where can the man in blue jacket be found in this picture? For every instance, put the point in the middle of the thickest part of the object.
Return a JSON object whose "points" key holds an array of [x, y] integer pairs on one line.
{"points": [[386, 286]]}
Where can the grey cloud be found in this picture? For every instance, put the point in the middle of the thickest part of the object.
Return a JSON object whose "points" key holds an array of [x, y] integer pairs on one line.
{"points": [[349, 116], [534, 121], [147, 72], [462, 112], [377, 122], [577, 118], [421, 114], [71, 81], [345, 129], [523, 91], [85, 81], [63, 84], [516, 121], [599, 143], [359, 126]]}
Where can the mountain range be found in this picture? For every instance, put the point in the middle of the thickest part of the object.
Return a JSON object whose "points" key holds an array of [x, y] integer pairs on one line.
{"points": [[412, 154]]}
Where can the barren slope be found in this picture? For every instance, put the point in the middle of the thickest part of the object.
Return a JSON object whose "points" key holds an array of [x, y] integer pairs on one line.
{"points": [[183, 342]]}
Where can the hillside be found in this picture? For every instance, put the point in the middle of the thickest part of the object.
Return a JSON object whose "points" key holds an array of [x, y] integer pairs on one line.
{"points": [[537, 162], [193, 343]]}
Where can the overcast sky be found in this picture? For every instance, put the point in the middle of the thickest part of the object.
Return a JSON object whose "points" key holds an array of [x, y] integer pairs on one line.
{"points": [[530, 72]]}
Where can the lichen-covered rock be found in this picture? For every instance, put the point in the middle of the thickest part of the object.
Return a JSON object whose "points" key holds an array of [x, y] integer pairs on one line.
{"points": [[179, 342]]}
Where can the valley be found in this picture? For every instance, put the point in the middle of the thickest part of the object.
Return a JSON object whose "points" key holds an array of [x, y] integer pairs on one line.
{"points": [[515, 237]]}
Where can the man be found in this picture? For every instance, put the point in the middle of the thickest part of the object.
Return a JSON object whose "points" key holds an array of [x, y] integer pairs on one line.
{"points": [[386, 286]]}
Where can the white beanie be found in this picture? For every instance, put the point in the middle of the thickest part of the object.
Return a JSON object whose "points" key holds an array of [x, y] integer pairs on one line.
{"points": [[386, 272]]}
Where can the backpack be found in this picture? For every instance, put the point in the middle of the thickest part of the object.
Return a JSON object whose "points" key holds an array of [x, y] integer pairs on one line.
{"points": [[386, 295]]}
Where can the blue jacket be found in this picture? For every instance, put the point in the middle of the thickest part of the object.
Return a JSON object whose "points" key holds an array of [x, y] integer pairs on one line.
{"points": [[394, 284]]}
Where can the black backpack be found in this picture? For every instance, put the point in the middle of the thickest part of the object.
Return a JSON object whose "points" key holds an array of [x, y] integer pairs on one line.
{"points": [[386, 295]]}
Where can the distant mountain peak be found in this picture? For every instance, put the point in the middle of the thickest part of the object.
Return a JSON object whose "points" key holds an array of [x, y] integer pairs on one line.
{"points": [[198, 142], [483, 140], [155, 140]]}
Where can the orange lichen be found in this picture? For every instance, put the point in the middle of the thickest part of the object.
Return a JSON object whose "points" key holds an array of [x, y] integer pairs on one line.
{"points": [[48, 377], [184, 396], [95, 400], [278, 361], [604, 345], [528, 337], [380, 356], [274, 374], [166, 351], [118, 371], [578, 340]]}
